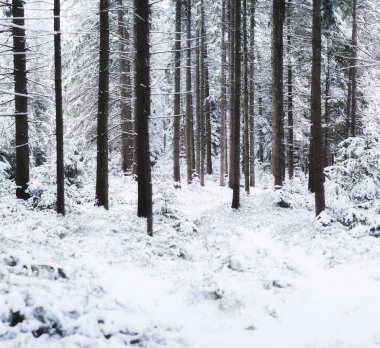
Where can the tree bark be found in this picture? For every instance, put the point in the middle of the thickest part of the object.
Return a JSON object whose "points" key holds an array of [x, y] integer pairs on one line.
{"points": [[246, 127], [142, 111], [198, 105], [207, 104], [290, 97], [232, 90], [316, 112], [21, 100], [278, 155], [252, 96], [202, 100], [177, 94], [103, 104], [327, 148], [189, 99], [353, 125], [236, 115], [59, 109], [125, 92], [223, 92]]}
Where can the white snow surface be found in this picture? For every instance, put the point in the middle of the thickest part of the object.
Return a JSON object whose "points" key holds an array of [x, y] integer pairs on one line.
{"points": [[211, 277]]}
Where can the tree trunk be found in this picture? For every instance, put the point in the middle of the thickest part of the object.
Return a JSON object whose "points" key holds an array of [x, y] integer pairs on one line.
{"points": [[125, 93], [202, 100], [245, 100], [232, 90], [189, 99], [327, 108], [223, 92], [290, 98], [353, 125], [206, 97], [142, 111], [261, 134], [103, 103], [236, 115], [278, 155], [316, 112], [252, 97], [59, 109], [21, 100], [177, 93], [198, 105]]}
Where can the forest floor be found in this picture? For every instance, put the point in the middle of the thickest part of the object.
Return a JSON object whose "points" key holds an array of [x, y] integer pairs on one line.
{"points": [[211, 277]]}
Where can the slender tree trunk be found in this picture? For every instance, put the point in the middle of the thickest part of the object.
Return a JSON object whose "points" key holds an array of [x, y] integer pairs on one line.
{"points": [[261, 134], [202, 100], [177, 94], [349, 100], [252, 96], [354, 69], [327, 108], [59, 109], [206, 97], [103, 104], [290, 97], [125, 92], [198, 105], [236, 114], [142, 110], [245, 100], [278, 155], [232, 91], [189, 97], [316, 112], [21, 100], [223, 92]]}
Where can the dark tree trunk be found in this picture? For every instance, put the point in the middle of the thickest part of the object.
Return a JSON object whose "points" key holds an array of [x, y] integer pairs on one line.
{"points": [[232, 90], [353, 128], [103, 104], [59, 109], [223, 92], [261, 134], [125, 93], [290, 98], [189, 99], [198, 106], [245, 101], [316, 112], [21, 100], [177, 93], [252, 97], [327, 108], [206, 97], [236, 103], [278, 154], [142, 111], [202, 110]]}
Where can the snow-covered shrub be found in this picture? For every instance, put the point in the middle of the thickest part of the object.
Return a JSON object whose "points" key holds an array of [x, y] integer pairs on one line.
{"points": [[353, 184], [293, 194], [74, 166]]}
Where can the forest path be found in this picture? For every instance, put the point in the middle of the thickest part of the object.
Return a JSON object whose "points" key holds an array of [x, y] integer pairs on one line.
{"points": [[211, 277]]}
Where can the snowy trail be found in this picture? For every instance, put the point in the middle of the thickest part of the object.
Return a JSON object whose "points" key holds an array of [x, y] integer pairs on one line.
{"points": [[260, 277]]}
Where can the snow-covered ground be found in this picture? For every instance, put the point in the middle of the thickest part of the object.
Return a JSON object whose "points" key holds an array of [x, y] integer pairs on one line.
{"points": [[263, 276]]}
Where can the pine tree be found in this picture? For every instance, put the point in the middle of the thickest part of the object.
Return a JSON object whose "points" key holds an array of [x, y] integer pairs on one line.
{"points": [[21, 99], [142, 111], [103, 105], [278, 155], [59, 109], [236, 104], [177, 94], [316, 112]]}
